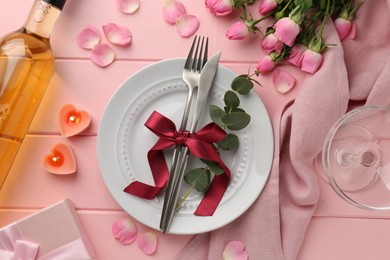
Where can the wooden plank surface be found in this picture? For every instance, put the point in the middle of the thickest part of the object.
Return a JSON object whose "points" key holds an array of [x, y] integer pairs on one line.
{"points": [[337, 231]]}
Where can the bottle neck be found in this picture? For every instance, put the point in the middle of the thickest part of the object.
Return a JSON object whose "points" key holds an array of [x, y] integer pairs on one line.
{"points": [[42, 18]]}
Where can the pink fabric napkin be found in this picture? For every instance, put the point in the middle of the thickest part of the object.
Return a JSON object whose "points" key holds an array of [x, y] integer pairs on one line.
{"points": [[354, 72]]}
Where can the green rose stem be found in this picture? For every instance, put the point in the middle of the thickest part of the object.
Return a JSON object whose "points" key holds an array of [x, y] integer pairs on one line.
{"points": [[180, 204]]}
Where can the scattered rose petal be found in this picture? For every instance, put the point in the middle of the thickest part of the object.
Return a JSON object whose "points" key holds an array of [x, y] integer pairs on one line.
{"points": [[102, 55], [60, 160], [147, 242], [88, 37], [128, 6], [235, 250], [187, 25], [72, 121], [283, 81], [172, 10], [125, 231], [117, 34]]}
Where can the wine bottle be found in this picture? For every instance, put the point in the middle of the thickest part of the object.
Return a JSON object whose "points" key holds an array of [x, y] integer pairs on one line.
{"points": [[26, 67]]}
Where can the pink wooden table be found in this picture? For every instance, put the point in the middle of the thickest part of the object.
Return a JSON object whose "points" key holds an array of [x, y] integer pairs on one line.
{"points": [[337, 230]]}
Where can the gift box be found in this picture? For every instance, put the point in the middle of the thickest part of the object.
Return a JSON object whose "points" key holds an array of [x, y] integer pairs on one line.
{"points": [[51, 233]]}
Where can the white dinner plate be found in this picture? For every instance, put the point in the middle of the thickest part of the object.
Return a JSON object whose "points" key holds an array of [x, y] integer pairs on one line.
{"points": [[123, 142]]}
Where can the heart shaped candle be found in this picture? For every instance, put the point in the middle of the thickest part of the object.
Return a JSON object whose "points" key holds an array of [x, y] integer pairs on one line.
{"points": [[72, 121], [61, 160]]}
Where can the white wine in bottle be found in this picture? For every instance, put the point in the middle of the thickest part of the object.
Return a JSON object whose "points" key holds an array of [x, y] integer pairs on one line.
{"points": [[26, 67]]}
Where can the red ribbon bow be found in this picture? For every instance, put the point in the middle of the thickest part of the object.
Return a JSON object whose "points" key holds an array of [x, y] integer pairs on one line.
{"points": [[200, 144]]}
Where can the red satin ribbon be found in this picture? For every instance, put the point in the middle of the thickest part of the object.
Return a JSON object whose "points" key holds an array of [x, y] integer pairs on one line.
{"points": [[200, 144]]}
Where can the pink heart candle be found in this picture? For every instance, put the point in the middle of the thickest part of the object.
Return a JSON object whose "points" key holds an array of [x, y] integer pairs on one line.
{"points": [[61, 160], [72, 121]]}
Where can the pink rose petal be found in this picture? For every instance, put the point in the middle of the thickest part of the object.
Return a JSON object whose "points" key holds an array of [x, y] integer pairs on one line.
{"points": [[311, 61], [88, 37], [238, 31], [283, 81], [287, 30], [117, 34], [172, 10], [220, 7], [235, 250], [102, 55], [296, 54], [187, 25], [343, 27], [125, 231], [147, 242], [128, 6], [352, 32], [265, 65]]}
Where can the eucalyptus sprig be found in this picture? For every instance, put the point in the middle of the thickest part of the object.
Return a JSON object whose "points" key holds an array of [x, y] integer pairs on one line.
{"points": [[230, 117]]}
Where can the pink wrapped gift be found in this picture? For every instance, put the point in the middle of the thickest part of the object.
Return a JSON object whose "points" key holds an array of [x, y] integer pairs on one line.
{"points": [[52, 233]]}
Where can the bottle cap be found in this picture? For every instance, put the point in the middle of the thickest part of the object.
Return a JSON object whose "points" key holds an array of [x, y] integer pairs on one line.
{"points": [[57, 3]]}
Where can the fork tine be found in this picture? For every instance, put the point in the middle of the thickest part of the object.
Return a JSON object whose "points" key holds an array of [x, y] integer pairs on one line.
{"points": [[199, 64], [195, 61], [205, 52], [188, 62]]}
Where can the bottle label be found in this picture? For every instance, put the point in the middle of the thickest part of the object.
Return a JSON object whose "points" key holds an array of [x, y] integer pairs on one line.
{"points": [[42, 11]]}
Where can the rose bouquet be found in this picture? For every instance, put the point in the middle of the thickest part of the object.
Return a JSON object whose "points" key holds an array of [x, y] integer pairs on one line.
{"points": [[296, 34]]}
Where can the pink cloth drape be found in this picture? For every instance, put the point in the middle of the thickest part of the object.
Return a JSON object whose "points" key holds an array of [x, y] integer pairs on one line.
{"points": [[354, 72]]}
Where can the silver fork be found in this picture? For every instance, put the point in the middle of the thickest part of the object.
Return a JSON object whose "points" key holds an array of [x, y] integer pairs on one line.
{"points": [[191, 74]]}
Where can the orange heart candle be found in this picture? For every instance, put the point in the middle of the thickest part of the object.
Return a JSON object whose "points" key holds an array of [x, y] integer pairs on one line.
{"points": [[61, 160], [72, 121]]}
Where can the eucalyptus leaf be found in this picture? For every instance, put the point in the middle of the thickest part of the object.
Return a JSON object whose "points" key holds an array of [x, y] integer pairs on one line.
{"points": [[233, 109], [216, 114], [199, 178], [229, 143], [231, 99], [214, 167], [242, 85], [236, 120]]}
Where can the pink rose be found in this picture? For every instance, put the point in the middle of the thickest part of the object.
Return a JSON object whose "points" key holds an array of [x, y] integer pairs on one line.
{"points": [[238, 31], [271, 43], [345, 28], [296, 54], [219, 7], [311, 61], [287, 30], [267, 6], [265, 65]]}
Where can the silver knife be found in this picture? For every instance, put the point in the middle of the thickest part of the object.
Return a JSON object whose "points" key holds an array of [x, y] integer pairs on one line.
{"points": [[206, 81]]}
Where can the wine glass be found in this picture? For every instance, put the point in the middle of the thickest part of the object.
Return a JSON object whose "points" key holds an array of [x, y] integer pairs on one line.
{"points": [[356, 157]]}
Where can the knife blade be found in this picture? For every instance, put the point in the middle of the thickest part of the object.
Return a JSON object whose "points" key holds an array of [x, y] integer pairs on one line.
{"points": [[206, 81]]}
